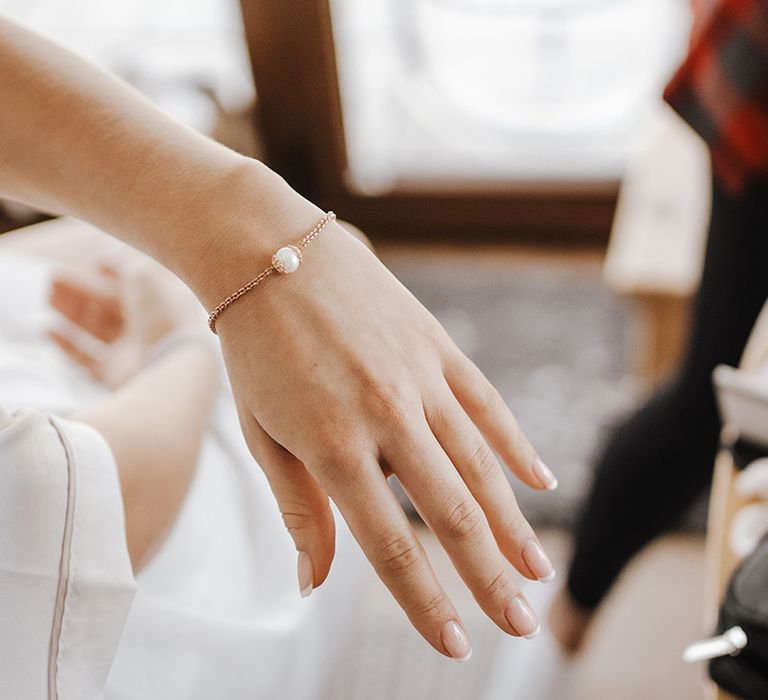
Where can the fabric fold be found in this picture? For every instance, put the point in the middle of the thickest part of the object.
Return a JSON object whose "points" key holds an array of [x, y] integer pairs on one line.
{"points": [[66, 583]]}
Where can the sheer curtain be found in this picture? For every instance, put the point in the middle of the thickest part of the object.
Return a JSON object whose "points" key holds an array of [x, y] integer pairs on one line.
{"points": [[478, 89]]}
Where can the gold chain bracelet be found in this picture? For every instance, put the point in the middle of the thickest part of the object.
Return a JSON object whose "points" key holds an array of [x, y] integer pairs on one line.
{"points": [[284, 261]]}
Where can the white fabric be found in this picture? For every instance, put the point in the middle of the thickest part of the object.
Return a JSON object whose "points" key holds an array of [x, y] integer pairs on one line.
{"points": [[65, 578], [217, 612]]}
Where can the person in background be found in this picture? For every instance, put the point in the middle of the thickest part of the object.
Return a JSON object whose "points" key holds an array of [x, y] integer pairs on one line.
{"points": [[659, 461]]}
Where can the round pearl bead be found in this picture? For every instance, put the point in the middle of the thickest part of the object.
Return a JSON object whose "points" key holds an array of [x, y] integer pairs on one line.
{"points": [[286, 260]]}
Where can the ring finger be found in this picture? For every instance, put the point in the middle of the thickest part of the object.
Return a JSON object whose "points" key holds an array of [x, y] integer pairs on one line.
{"points": [[459, 523]]}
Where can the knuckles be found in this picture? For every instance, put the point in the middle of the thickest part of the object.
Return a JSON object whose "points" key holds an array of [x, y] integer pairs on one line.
{"points": [[297, 518], [482, 462], [335, 451], [390, 404], [464, 521], [398, 553], [500, 587], [436, 607]]}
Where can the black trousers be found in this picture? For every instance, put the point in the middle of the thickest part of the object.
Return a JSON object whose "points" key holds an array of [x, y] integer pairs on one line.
{"points": [[659, 460]]}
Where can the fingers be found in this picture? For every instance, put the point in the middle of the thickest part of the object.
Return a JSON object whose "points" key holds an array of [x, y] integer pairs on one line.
{"points": [[90, 363], [458, 521], [91, 303], [382, 530], [487, 409], [484, 477], [303, 505], [378, 524]]}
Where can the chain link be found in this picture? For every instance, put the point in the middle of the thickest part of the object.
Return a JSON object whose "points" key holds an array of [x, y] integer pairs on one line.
{"points": [[256, 281]]}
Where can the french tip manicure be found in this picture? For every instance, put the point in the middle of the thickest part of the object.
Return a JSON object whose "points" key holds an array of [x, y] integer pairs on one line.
{"points": [[532, 634], [521, 618], [306, 574], [538, 561], [464, 659], [456, 642], [544, 474]]}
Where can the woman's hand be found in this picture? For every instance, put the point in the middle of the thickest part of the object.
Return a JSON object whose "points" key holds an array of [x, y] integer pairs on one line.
{"points": [[121, 311], [340, 375], [342, 378]]}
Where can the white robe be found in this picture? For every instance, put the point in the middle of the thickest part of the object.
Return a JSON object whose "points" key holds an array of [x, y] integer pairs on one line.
{"points": [[65, 577], [216, 612]]}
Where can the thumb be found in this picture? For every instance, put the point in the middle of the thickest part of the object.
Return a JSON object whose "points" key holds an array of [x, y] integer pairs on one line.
{"points": [[303, 504]]}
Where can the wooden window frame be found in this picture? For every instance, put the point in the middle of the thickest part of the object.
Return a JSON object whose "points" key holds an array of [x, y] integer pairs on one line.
{"points": [[300, 122]]}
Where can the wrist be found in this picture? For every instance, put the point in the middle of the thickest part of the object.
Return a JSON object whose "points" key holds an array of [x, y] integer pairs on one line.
{"points": [[253, 214]]}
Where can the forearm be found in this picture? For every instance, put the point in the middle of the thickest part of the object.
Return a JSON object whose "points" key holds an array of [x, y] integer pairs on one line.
{"points": [[75, 140], [154, 425]]}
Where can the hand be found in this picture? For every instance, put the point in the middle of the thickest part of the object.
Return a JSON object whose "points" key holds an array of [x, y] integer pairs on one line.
{"points": [[340, 375], [341, 378], [121, 311]]}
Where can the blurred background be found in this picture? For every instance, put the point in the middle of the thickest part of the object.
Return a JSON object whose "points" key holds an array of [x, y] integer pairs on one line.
{"points": [[515, 167]]}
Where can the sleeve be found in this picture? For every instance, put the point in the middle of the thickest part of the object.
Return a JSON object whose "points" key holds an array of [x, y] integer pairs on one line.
{"points": [[66, 583]]}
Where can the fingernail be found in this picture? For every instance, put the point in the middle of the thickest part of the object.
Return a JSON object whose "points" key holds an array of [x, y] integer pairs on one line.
{"points": [[538, 561], [544, 475], [522, 618], [456, 642], [306, 574]]}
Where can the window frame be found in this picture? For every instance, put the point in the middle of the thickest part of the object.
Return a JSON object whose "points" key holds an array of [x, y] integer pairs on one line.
{"points": [[300, 122]]}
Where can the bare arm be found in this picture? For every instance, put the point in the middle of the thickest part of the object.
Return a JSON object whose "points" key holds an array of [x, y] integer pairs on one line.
{"points": [[154, 425], [76, 140]]}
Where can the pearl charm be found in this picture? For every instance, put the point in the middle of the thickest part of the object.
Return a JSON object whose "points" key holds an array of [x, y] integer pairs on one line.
{"points": [[287, 259]]}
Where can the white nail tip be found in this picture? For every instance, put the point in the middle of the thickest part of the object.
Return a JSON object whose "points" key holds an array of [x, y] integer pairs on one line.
{"points": [[307, 591], [552, 485], [547, 578], [533, 634], [464, 659]]}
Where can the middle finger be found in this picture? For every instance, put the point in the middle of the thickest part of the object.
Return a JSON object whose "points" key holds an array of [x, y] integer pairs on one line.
{"points": [[452, 513], [485, 478]]}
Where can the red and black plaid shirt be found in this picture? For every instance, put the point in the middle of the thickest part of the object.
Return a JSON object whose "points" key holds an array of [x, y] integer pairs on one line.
{"points": [[721, 89]]}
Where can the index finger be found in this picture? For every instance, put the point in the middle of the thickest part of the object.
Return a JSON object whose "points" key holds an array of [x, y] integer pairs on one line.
{"points": [[490, 413]]}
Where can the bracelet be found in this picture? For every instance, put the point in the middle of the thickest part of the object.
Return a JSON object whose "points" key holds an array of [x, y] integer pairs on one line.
{"points": [[284, 261]]}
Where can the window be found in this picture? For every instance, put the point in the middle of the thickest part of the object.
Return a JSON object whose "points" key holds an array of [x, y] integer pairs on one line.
{"points": [[499, 89]]}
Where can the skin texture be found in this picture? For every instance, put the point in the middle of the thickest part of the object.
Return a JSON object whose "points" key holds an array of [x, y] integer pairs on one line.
{"points": [[340, 375]]}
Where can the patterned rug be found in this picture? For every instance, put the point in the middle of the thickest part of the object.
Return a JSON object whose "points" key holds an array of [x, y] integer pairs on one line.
{"points": [[550, 337]]}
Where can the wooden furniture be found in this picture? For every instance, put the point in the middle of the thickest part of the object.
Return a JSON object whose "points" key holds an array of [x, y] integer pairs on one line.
{"points": [[725, 502], [301, 125], [657, 242]]}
